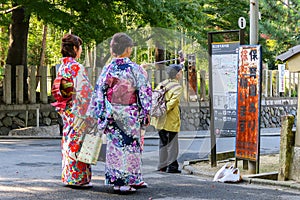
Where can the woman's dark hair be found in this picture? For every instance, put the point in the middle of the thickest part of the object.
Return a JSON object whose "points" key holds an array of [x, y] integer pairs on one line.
{"points": [[119, 42], [67, 45]]}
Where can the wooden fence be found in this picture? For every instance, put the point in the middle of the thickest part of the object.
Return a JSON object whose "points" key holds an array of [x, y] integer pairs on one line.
{"points": [[31, 80], [195, 87], [274, 86]]}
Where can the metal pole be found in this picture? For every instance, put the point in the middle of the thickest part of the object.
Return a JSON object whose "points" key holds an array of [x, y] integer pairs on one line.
{"points": [[213, 147], [253, 40], [297, 137], [254, 21], [266, 82], [37, 117]]}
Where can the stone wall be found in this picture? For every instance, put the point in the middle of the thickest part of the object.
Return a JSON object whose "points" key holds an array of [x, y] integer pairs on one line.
{"points": [[20, 116], [273, 108], [195, 116]]}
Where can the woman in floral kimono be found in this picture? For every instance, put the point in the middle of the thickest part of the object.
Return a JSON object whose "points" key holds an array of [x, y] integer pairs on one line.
{"points": [[121, 102], [71, 89]]}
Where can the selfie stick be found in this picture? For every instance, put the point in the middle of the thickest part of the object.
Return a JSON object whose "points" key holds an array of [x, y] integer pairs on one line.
{"points": [[181, 59]]}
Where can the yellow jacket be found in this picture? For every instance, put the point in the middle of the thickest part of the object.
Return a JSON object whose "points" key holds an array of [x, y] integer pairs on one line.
{"points": [[171, 121]]}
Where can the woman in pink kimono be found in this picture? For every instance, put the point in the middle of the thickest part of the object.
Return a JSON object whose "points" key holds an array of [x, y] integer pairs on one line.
{"points": [[121, 102], [72, 94]]}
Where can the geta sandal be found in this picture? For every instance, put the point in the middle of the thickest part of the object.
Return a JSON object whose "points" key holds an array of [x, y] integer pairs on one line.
{"points": [[80, 186], [127, 188], [141, 184]]}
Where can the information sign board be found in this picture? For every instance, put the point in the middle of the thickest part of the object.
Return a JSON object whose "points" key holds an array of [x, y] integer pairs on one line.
{"points": [[224, 82]]}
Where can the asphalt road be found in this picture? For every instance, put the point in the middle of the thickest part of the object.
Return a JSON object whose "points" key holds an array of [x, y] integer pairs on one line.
{"points": [[193, 148], [30, 169]]}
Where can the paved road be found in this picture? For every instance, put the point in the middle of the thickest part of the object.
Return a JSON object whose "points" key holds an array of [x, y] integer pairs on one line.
{"points": [[30, 169], [196, 144]]}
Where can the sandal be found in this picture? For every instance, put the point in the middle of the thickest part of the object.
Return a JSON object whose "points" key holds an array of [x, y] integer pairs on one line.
{"points": [[141, 184], [116, 188], [127, 188], [83, 186]]}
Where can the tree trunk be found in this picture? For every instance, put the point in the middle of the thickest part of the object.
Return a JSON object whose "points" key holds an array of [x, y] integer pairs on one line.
{"points": [[159, 56], [43, 53], [17, 51], [2, 58], [44, 42]]}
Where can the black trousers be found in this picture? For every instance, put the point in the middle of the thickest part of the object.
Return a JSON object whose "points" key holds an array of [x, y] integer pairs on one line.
{"points": [[168, 150]]}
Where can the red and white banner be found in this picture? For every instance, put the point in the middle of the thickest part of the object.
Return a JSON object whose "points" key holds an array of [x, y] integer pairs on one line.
{"points": [[248, 102]]}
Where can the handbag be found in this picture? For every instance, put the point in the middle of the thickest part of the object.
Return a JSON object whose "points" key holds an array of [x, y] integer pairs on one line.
{"points": [[102, 154], [91, 146], [227, 174]]}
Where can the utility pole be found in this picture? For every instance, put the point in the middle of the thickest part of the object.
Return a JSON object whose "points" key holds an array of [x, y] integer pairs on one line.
{"points": [[254, 9]]}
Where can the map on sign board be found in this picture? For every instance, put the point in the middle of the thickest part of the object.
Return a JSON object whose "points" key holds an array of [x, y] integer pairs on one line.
{"points": [[224, 82], [224, 68]]}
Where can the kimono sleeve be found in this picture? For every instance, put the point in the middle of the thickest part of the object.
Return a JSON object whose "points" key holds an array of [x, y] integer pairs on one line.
{"points": [[99, 108], [82, 89], [144, 91]]}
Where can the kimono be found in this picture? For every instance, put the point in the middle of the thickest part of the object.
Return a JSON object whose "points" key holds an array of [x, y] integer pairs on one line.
{"points": [[120, 102], [73, 172]]}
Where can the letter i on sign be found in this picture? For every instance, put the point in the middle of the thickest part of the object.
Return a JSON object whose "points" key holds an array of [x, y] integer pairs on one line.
{"points": [[242, 22]]}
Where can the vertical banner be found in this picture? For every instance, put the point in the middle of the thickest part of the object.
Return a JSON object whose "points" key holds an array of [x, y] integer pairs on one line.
{"points": [[281, 72], [192, 77], [248, 104], [224, 84]]}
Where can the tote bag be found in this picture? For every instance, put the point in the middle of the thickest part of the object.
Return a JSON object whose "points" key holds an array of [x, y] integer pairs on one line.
{"points": [[102, 154], [91, 146]]}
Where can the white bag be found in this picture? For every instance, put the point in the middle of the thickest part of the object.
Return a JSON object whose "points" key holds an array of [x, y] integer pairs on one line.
{"points": [[221, 172], [227, 174], [91, 146], [231, 177]]}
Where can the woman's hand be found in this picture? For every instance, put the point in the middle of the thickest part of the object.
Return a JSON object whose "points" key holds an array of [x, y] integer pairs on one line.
{"points": [[147, 121]]}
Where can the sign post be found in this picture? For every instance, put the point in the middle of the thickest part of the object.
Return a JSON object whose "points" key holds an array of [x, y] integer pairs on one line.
{"points": [[223, 85], [248, 105]]}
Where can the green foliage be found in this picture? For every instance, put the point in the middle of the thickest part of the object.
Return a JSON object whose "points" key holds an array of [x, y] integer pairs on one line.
{"points": [[97, 20], [283, 27], [4, 34], [35, 38], [293, 92]]}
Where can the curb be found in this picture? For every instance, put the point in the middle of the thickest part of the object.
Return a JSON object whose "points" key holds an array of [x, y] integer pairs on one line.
{"points": [[30, 137], [289, 184], [247, 178], [146, 137], [154, 135]]}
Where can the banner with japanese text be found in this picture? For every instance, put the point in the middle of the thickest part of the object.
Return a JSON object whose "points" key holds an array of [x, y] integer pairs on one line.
{"points": [[248, 102], [281, 72]]}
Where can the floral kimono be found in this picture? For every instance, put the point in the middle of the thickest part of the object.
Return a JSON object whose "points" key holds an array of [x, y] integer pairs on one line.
{"points": [[121, 101], [78, 86]]}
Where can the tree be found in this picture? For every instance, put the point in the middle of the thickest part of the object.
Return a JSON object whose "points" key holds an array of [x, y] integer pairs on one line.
{"points": [[96, 20], [17, 52], [54, 12], [279, 32]]}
